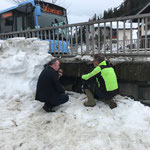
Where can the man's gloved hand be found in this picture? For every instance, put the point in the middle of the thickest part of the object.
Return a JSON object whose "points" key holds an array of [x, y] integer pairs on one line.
{"points": [[60, 73], [84, 77]]}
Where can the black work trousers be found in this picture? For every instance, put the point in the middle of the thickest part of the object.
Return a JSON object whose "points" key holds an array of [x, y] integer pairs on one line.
{"points": [[98, 93], [63, 98]]}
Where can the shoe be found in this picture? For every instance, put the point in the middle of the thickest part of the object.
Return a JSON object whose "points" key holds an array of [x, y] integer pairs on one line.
{"points": [[48, 109], [89, 104], [112, 104]]}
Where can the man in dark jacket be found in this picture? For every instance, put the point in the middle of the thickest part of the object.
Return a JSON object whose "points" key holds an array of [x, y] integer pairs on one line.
{"points": [[49, 89]]}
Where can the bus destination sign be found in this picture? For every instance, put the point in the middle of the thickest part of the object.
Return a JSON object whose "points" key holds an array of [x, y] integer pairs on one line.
{"points": [[49, 9]]}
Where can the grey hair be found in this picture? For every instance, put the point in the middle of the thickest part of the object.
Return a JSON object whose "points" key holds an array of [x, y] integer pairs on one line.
{"points": [[52, 62]]}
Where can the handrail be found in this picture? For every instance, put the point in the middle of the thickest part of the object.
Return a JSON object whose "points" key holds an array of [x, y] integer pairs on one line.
{"points": [[122, 36]]}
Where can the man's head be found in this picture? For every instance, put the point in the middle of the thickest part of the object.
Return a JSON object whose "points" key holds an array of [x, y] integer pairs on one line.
{"points": [[98, 58], [55, 64]]}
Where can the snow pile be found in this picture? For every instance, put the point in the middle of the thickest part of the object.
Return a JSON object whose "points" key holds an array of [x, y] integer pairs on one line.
{"points": [[24, 125], [77, 58], [84, 58], [21, 61]]}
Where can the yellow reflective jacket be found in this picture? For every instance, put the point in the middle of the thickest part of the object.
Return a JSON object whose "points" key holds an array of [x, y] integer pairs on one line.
{"points": [[105, 76]]}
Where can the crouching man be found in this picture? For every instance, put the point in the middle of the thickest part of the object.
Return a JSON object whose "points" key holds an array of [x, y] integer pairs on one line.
{"points": [[49, 90], [101, 83]]}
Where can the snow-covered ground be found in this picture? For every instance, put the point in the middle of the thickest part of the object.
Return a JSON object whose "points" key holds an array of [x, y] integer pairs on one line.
{"points": [[24, 125]]}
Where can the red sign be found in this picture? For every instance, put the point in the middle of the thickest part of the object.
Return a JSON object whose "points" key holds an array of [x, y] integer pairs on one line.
{"points": [[7, 15], [52, 10]]}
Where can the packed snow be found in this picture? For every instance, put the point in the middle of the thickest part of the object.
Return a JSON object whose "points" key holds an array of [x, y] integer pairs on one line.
{"points": [[24, 125]]}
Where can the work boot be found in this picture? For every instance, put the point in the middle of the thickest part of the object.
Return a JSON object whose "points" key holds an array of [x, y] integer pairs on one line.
{"points": [[112, 104], [91, 102], [48, 109]]}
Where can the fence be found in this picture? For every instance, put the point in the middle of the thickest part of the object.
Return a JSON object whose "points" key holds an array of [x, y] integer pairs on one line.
{"points": [[123, 36]]}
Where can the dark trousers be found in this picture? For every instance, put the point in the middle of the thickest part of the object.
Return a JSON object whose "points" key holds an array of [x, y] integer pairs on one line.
{"points": [[98, 93], [62, 98]]}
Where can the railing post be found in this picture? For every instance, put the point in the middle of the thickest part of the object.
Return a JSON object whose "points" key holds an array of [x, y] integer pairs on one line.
{"points": [[71, 44], [66, 33], [53, 40], [49, 36], [118, 37], [87, 39], [145, 34], [58, 46], [76, 40], [138, 43], [99, 38], [131, 32], [124, 36], [104, 37], [110, 44], [81, 35], [62, 40], [93, 33]]}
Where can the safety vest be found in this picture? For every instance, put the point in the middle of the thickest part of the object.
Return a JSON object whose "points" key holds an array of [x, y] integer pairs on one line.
{"points": [[104, 74]]}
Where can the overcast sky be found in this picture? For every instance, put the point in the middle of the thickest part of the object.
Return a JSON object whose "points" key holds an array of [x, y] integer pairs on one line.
{"points": [[79, 10], [82, 10]]}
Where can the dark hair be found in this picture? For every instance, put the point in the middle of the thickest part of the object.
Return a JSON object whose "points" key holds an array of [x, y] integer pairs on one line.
{"points": [[53, 61], [99, 57]]}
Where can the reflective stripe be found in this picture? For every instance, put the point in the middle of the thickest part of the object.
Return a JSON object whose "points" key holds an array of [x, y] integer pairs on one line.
{"points": [[98, 83]]}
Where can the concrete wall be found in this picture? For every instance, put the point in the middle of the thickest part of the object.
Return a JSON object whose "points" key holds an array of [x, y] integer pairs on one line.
{"points": [[133, 77]]}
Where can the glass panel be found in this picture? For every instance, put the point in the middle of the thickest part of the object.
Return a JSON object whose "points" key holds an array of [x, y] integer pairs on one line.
{"points": [[19, 24], [48, 19], [28, 22], [6, 25]]}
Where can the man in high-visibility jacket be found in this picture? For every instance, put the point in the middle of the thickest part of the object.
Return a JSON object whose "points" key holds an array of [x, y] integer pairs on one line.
{"points": [[101, 83]]}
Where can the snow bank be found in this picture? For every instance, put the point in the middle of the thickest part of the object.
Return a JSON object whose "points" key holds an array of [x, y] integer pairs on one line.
{"points": [[24, 125], [21, 61]]}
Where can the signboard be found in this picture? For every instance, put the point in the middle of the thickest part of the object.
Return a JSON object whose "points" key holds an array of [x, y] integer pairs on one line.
{"points": [[50, 8], [5, 15]]}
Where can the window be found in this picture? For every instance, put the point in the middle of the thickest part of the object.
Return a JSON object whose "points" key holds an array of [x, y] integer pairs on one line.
{"points": [[28, 21], [19, 24], [6, 25]]}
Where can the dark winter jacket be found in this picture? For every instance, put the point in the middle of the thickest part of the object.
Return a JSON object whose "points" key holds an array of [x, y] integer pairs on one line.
{"points": [[48, 86]]}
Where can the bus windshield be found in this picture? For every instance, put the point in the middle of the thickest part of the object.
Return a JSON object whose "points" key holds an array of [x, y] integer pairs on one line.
{"points": [[48, 20]]}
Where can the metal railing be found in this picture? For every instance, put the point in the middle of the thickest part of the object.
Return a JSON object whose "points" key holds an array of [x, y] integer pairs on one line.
{"points": [[123, 36]]}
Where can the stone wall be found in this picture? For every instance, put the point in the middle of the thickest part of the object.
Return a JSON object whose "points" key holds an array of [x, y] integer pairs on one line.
{"points": [[133, 77]]}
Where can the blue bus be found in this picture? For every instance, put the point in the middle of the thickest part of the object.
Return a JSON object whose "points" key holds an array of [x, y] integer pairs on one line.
{"points": [[34, 14]]}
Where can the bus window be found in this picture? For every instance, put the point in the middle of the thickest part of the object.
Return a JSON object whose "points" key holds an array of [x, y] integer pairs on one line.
{"points": [[28, 21], [19, 23], [6, 25]]}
